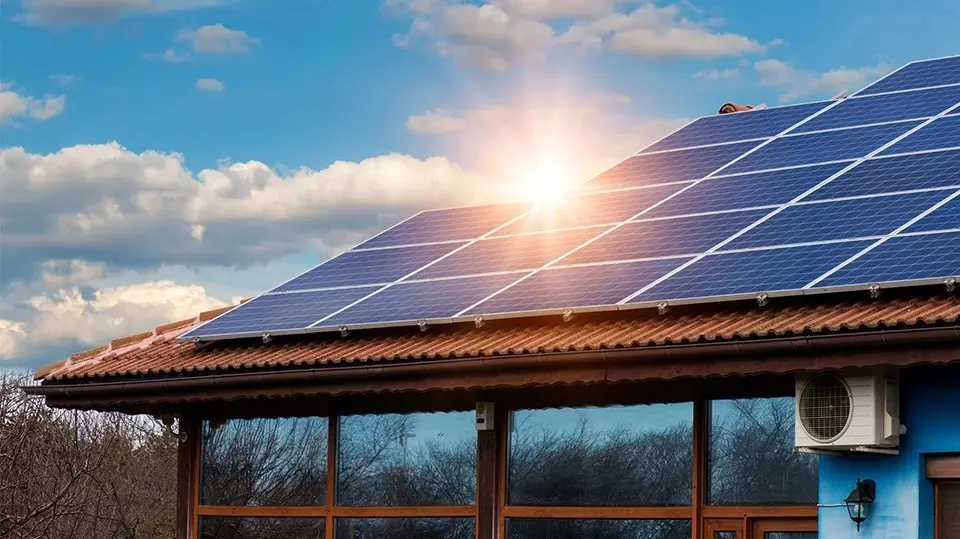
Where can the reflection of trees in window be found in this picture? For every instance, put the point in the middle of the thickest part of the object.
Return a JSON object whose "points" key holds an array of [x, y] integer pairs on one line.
{"points": [[752, 457], [261, 528], [405, 528], [597, 529], [417, 459], [265, 462], [640, 455]]}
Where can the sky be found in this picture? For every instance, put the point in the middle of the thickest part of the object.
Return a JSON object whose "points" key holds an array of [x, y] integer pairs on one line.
{"points": [[163, 157]]}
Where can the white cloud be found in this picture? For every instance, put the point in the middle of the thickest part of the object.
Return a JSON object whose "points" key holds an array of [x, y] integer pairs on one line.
{"points": [[71, 272], [496, 35], [13, 104], [12, 336], [717, 74], [218, 39], [64, 79], [210, 85], [434, 122], [109, 206], [79, 12], [798, 83]]}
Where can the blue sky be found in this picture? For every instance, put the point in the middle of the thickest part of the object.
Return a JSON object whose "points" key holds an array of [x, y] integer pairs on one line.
{"points": [[160, 157]]}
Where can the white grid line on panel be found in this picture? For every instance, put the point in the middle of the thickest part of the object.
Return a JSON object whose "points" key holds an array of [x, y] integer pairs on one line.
{"points": [[648, 209], [859, 126], [882, 240], [904, 91], [783, 207], [701, 146], [885, 77]]}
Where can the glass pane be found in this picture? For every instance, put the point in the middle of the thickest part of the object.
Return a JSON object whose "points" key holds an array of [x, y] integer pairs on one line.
{"points": [[619, 455], [725, 535], [264, 462], [790, 535], [597, 529], [415, 459], [261, 528], [751, 455], [405, 528]]}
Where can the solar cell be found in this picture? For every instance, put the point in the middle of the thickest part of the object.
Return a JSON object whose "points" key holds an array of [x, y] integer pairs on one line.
{"points": [[746, 190], [647, 169], [280, 312], [422, 300], [885, 108], [821, 147], [739, 126], [940, 133], [945, 217], [577, 286], [923, 74], [748, 272], [903, 258], [449, 224], [664, 237], [529, 251], [368, 267], [825, 221], [591, 209], [891, 174]]}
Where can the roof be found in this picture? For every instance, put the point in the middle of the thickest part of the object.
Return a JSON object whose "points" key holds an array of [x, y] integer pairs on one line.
{"points": [[160, 353]]}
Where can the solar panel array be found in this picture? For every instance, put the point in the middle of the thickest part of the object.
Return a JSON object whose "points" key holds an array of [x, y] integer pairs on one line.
{"points": [[825, 196]]}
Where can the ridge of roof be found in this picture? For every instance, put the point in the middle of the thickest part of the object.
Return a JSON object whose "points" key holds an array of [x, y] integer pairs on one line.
{"points": [[160, 352]]}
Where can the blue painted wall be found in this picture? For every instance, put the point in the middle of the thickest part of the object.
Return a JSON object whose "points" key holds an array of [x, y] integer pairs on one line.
{"points": [[930, 409]]}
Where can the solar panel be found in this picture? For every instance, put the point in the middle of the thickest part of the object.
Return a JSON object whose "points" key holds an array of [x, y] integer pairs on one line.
{"points": [[941, 133], [787, 200], [735, 127], [922, 74]]}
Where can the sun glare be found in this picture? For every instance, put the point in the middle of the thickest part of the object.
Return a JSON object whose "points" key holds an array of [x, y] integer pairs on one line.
{"points": [[547, 182]]}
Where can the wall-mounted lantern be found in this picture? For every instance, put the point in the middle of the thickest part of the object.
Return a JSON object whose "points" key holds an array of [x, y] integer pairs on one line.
{"points": [[859, 501]]}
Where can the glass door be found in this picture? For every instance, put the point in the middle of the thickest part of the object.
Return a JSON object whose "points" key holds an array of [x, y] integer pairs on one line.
{"points": [[724, 528], [801, 528]]}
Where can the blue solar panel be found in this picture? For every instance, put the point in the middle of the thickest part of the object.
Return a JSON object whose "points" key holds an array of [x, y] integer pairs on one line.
{"points": [[444, 225], [577, 286], [885, 108], [665, 237], [940, 133], [528, 251], [591, 209], [903, 258], [821, 147], [894, 174], [422, 300], [746, 190], [826, 221], [919, 75], [647, 169], [368, 267], [752, 271], [738, 126], [943, 218], [280, 312]]}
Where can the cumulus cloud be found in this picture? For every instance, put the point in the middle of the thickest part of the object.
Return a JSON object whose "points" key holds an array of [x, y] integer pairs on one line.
{"points": [[106, 205], [218, 39], [210, 85], [69, 317], [798, 83], [496, 35], [58, 273], [82, 12], [433, 122], [13, 105]]}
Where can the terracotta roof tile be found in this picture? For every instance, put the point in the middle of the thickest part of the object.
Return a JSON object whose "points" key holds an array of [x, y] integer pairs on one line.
{"points": [[159, 352]]}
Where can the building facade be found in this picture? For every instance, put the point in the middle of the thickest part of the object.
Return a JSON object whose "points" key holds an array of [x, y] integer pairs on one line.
{"points": [[618, 425]]}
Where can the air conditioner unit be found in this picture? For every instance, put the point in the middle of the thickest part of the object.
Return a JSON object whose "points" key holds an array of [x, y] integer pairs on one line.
{"points": [[848, 412]]}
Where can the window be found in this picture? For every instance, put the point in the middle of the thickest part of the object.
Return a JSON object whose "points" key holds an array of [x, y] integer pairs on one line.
{"points": [[415, 459], [261, 528], [265, 462], [597, 529], [405, 528], [948, 510], [751, 454], [615, 456]]}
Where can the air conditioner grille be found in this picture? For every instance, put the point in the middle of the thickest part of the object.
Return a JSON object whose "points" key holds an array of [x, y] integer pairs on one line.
{"points": [[824, 407]]}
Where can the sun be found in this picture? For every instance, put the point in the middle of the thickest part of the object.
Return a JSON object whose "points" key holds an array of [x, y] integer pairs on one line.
{"points": [[546, 182]]}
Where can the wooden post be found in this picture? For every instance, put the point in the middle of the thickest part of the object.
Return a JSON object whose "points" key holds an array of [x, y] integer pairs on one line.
{"points": [[188, 457], [487, 484]]}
